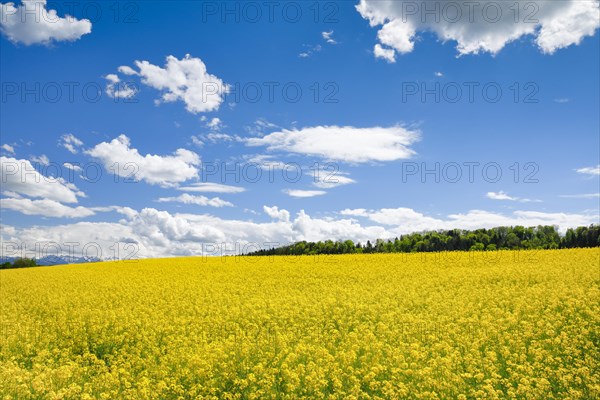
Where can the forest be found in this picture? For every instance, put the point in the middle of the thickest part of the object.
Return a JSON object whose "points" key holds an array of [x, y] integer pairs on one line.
{"points": [[500, 238]]}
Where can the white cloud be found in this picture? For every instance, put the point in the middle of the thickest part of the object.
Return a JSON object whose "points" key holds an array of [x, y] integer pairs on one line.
{"points": [[126, 70], [70, 142], [45, 207], [99, 238], [356, 212], [11, 194], [387, 54], [310, 50], [151, 168], [304, 227], [197, 141], [562, 100], [590, 170], [484, 26], [215, 123], [162, 233], [303, 193], [568, 25], [31, 23], [184, 80], [438, 74], [485, 219], [267, 162], [186, 198], [216, 137], [275, 213], [43, 159], [406, 220], [19, 176], [260, 126], [328, 36], [208, 187], [501, 195], [346, 143], [72, 167], [328, 180], [154, 233], [9, 149], [117, 89], [581, 196]]}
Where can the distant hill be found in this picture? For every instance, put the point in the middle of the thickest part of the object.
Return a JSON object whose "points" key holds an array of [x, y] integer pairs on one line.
{"points": [[54, 260]]}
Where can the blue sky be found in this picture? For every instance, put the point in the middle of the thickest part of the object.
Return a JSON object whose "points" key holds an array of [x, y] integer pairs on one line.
{"points": [[371, 123]]}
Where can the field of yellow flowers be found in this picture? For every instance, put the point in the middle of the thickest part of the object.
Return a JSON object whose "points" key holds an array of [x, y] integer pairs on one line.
{"points": [[523, 324]]}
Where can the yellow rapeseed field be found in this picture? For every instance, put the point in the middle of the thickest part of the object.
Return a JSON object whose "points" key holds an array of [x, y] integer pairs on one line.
{"points": [[387, 326]]}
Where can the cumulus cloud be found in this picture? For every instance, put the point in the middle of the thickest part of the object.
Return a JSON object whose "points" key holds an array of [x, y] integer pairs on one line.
{"points": [[154, 233], [185, 80], [126, 70], [117, 89], [568, 25], [29, 192], [589, 170], [70, 142], [97, 239], [406, 220], [355, 212], [20, 177], [343, 143], [485, 219], [186, 198], [484, 26], [275, 213], [403, 218], [32, 23], [157, 229], [388, 55], [209, 187], [501, 195], [153, 169], [303, 193], [214, 123]]}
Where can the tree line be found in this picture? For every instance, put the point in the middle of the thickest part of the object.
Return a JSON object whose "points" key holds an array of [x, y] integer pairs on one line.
{"points": [[19, 263], [501, 238]]}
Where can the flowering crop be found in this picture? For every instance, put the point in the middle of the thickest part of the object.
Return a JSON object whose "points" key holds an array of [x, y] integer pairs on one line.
{"points": [[425, 326]]}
